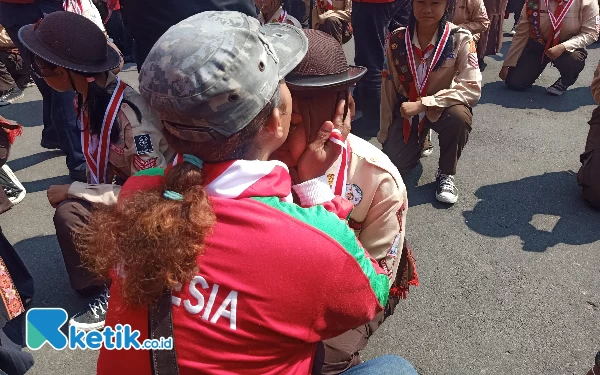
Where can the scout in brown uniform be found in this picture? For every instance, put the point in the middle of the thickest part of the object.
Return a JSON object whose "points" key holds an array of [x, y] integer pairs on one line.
{"points": [[362, 173], [471, 15], [588, 176], [120, 133], [272, 11], [333, 18], [432, 84], [551, 30], [14, 74]]}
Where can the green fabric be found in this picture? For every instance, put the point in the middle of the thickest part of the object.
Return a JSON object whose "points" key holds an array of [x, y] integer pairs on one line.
{"points": [[327, 222], [151, 172]]}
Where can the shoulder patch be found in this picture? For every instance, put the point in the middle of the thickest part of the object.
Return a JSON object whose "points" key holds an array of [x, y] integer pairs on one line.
{"points": [[354, 194], [143, 144]]}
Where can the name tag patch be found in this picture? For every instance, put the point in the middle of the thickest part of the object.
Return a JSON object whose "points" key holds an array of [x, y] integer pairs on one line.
{"points": [[143, 144]]}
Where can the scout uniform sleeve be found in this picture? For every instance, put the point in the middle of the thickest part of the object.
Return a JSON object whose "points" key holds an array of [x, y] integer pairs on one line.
{"points": [[519, 41], [390, 85], [479, 20], [382, 233], [467, 89], [106, 194], [596, 85], [143, 141], [342, 9], [588, 33]]}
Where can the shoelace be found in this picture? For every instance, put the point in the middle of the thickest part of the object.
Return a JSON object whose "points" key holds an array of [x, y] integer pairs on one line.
{"points": [[559, 85], [99, 304], [447, 182]]}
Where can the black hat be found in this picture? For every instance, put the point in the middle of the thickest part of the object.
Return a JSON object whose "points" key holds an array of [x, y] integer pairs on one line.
{"points": [[71, 41], [324, 66]]}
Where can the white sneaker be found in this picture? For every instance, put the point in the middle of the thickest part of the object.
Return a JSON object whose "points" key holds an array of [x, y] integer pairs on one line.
{"points": [[11, 185], [513, 31], [446, 191], [427, 146]]}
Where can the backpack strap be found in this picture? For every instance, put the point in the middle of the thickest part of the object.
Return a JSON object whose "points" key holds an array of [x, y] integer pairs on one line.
{"points": [[160, 319]]}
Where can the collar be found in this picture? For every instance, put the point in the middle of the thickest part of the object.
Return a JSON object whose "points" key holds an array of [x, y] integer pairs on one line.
{"points": [[237, 179], [415, 40]]}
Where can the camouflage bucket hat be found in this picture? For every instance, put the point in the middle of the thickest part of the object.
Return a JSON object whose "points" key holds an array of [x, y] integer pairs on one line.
{"points": [[210, 75]]}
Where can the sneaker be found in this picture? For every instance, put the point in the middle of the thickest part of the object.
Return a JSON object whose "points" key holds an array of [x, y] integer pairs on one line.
{"points": [[427, 146], [446, 190], [14, 190], [92, 318], [513, 31], [79, 175], [557, 89], [11, 96]]}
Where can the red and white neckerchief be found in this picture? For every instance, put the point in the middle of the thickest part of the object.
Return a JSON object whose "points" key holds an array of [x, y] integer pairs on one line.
{"points": [[247, 178], [237, 179], [340, 178], [556, 19], [96, 147], [418, 86]]}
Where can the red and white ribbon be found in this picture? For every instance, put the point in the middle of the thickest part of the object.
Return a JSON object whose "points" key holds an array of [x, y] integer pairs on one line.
{"points": [[557, 18], [422, 86], [97, 157], [341, 177]]}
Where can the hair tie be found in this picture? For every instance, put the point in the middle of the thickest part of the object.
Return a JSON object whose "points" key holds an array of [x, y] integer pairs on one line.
{"points": [[172, 195], [193, 160]]}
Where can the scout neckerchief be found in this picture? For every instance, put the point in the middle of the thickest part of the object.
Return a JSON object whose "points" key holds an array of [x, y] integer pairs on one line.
{"points": [[418, 87], [340, 178], [325, 4], [556, 20], [245, 175], [279, 17], [97, 157]]}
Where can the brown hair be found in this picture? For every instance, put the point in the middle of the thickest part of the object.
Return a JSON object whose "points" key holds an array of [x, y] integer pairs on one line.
{"points": [[155, 242]]}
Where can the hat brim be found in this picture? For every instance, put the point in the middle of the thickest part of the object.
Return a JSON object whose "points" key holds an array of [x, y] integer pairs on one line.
{"points": [[290, 44], [32, 43], [330, 82]]}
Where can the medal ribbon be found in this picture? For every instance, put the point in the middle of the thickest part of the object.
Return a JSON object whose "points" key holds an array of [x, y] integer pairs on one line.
{"points": [[418, 88], [556, 19], [97, 161], [282, 17]]}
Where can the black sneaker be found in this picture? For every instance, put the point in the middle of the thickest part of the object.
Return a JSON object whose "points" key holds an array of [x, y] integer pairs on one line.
{"points": [[92, 318], [557, 89], [79, 175], [11, 96], [13, 189], [446, 190], [50, 144]]}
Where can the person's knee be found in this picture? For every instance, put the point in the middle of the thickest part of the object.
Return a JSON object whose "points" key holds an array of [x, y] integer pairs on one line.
{"points": [[459, 117], [393, 364], [68, 216], [515, 84]]}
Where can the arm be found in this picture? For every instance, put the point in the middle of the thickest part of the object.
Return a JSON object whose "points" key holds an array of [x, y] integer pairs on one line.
{"points": [[588, 33], [390, 87], [467, 89], [479, 21], [596, 85], [144, 141], [106, 194], [383, 229], [519, 40]]}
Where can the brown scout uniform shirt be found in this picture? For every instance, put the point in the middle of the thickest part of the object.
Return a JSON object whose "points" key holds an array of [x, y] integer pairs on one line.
{"points": [[471, 15], [380, 201], [342, 9], [127, 157], [457, 81], [579, 28]]}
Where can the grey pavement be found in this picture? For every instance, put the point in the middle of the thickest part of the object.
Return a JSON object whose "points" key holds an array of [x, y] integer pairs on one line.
{"points": [[509, 275]]}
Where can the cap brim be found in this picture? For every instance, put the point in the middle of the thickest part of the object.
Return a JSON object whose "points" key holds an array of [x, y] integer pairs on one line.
{"points": [[290, 45], [325, 82], [31, 42]]}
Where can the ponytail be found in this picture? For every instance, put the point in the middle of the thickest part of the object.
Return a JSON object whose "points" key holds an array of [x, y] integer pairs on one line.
{"points": [[154, 237]]}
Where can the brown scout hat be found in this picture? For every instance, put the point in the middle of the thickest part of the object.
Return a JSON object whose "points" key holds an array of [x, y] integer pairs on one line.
{"points": [[324, 66]]}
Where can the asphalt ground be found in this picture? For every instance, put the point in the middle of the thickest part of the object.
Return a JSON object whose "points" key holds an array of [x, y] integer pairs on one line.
{"points": [[510, 280]]}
